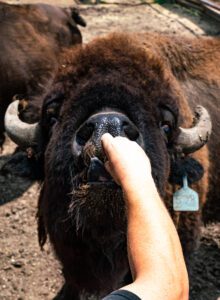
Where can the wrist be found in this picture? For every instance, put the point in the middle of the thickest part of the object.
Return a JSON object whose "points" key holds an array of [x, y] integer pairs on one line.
{"points": [[136, 190]]}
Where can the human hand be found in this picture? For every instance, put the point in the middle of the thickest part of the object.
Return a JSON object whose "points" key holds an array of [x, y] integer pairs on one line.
{"points": [[127, 162], [154, 249]]}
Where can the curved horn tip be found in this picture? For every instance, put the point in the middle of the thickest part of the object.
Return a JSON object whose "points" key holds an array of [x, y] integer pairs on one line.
{"points": [[192, 139], [23, 134]]}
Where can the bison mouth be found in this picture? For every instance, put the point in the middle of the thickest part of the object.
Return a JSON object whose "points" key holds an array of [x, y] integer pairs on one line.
{"points": [[95, 174]]}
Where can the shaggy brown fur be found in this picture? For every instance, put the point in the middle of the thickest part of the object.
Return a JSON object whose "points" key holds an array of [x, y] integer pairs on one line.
{"points": [[32, 37], [141, 76]]}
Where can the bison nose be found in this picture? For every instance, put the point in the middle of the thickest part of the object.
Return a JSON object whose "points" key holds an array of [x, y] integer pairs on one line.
{"points": [[87, 146], [115, 123]]}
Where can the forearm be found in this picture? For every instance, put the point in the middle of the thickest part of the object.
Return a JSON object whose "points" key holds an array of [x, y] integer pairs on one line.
{"points": [[152, 245]]}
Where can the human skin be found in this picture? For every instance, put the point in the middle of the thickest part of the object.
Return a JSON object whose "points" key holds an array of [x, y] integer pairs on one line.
{"points": [[154, 250]]}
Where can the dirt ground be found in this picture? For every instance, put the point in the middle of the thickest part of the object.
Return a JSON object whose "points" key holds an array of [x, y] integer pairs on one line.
{"points": [[26, 273]]}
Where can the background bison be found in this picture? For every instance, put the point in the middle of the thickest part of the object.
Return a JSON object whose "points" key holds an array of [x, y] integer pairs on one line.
{"points": [[32, 37], [138, 89]]}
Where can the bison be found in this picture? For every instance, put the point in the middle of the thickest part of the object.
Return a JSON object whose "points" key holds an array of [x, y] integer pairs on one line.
{"points": [[32, 37], [144, 87]]}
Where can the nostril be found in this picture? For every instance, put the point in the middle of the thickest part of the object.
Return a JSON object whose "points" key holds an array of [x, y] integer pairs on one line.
{"points": [[84, 133], [131, 132]]}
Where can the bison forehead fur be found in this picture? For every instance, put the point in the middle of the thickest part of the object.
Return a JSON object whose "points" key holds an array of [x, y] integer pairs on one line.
{"points": [[141, 76]]}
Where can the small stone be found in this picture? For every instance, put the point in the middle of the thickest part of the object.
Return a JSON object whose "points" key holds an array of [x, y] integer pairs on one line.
{"points": [[16, 263]]}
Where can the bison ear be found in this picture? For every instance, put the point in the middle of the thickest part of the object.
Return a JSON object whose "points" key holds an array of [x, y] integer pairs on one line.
{"points": [[182, 166], [51, 109]]}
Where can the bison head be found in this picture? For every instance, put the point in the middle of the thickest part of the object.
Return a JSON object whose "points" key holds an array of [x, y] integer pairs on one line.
{"points": [[111, 85], [57, 23]]}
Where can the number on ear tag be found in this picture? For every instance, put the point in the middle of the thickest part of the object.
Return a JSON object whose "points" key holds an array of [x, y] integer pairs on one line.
{"points": [[185, 199]]}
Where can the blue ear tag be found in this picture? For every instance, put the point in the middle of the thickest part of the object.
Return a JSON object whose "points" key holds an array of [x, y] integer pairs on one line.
{"points": [[185, 199]]}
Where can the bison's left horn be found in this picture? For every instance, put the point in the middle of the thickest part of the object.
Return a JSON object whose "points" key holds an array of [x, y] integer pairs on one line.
{"points": [[192, 139], [23, 134]]}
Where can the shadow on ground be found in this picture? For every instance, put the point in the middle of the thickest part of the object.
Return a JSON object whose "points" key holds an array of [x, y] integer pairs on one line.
{"points": [[11, 186]]}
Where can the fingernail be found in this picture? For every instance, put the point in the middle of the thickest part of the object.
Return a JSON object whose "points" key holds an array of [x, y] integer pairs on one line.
{"points": [[106, 136]]}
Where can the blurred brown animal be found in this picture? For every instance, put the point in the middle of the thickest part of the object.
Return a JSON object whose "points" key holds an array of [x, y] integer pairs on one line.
{"points": [[144, 87], [32, 38]]}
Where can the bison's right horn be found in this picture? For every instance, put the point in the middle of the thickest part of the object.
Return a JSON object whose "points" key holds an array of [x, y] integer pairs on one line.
{"points": [[23, 134], [192, 139]]}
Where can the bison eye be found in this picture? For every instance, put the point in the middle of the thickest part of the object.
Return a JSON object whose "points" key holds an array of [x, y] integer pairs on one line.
{"points": [[166, 128], [167, 123], [166, 131]]}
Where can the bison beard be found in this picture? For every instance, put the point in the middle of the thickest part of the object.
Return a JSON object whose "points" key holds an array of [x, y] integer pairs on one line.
{"points": [[87, 214], [92, 234], [138, 82]]}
